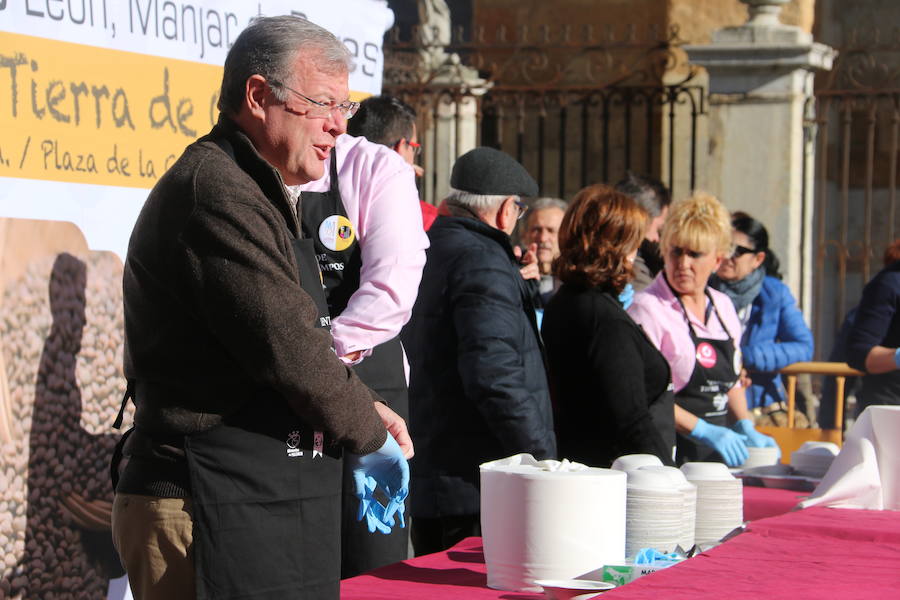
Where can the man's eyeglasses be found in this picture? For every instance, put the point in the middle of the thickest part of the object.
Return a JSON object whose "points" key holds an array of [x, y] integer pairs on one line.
{"points": [[739, 251], [523, 208], [321, 109]]}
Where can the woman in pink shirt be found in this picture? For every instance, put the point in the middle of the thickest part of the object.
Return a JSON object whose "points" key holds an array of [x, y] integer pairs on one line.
{"points": [[698, 331]]}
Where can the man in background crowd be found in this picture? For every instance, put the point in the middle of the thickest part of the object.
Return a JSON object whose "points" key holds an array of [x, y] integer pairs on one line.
{"points": [[542, 229], [477, 377], [391, 122], [651, 194]]}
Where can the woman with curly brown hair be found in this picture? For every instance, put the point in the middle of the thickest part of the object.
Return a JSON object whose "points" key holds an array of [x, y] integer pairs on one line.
{"points": [[610, 385]]}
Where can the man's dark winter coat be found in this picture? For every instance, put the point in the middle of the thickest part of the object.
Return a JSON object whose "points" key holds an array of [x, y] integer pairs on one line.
{"points": [[478, 383]]}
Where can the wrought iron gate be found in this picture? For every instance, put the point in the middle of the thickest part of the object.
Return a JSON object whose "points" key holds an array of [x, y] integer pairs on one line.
{"points": [[857, 108], [574, 105]]}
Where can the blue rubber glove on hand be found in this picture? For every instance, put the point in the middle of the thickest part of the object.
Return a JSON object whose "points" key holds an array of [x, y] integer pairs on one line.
{"points": [[374, 512], [754, 438], [729, 444], [386, 468], [626, 296]]}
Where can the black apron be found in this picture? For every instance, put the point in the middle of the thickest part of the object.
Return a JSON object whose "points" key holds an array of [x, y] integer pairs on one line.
{"points": [[326, 223], [662, 407], [265, 490], [706, 393]]}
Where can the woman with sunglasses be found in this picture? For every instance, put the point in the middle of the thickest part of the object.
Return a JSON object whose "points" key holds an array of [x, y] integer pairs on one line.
{"points": [[774, 333], [698, 331], [611, 387]]}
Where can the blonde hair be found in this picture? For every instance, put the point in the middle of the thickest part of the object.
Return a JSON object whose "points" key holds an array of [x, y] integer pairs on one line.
{"points": [[699, 223]]}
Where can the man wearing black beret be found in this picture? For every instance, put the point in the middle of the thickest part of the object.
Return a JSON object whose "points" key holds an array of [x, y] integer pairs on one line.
{"points": [[478, 385]]}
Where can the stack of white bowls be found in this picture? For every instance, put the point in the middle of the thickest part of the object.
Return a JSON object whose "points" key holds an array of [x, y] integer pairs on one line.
{"points": [[653, 512], [720, 500], [813, 458], [628, 462], [688, 502], [760, 457]]}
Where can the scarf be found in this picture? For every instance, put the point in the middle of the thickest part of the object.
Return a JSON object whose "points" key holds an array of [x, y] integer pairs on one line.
{"points": [[743, 291]]}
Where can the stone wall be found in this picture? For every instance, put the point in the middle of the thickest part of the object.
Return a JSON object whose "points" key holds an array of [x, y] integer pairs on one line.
{"points": [[697, 19]]}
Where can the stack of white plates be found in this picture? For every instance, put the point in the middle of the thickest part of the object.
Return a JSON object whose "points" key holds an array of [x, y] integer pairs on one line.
{"points": [[813, 458], [720, 500], [760, 457], [688, 502], [635, 461], [653, 512]]}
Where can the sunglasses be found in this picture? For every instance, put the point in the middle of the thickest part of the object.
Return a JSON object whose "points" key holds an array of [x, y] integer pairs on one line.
{"points": [[739, 251]]}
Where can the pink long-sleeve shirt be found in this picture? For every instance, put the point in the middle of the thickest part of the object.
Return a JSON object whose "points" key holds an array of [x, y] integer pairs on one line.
{"points": [[379, 192], [657, 311]]}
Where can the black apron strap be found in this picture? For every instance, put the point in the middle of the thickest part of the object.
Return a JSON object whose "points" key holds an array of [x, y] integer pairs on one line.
{"points": [[311, 278], [128, 395], [116, 460]]}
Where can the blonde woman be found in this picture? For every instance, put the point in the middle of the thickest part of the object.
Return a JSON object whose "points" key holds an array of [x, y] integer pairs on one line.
{"points": [[698, 331]]}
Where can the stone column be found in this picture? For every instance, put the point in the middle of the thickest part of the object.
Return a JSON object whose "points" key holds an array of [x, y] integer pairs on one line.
{"points": [[760, 79], [453, 129], [454, 89]]}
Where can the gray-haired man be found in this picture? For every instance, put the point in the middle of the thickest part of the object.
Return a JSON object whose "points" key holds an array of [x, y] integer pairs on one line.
{"points": [[542, 229], [478, 386], [232, 489]]}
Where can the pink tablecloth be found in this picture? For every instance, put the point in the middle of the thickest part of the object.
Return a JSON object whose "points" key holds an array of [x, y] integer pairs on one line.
{"points": [[760, 502], [814, 553]]}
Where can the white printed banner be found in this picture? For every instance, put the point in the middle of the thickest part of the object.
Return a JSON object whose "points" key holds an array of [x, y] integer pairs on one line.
{"points": [[98, 97]]}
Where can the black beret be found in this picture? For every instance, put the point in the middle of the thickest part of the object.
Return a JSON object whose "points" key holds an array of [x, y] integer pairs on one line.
{"points": [[491, 172]]}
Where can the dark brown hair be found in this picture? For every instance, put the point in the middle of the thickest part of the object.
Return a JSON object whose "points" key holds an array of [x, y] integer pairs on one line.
{"points": [[601, 227]]}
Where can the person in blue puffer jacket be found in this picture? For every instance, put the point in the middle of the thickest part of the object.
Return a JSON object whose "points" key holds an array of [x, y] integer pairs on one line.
{"points": [[774, 332]]}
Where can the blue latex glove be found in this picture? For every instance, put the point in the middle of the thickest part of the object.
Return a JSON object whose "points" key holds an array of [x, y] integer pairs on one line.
{"points": [[386, 468], [755, 438], [648, 556], [729, 444], [897, 357], [626, 296], [374, 512]]}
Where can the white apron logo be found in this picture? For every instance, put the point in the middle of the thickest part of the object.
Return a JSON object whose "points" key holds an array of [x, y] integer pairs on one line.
{"points": [[336, 233], [720, 401], [293, 444]]}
